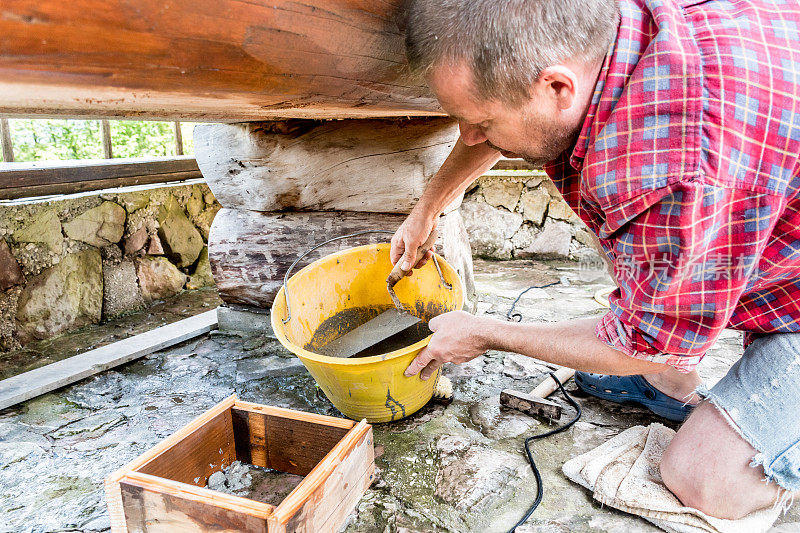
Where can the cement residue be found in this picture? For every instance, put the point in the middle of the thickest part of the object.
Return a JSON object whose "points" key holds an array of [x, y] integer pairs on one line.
{"points": [[349, 319], [56, 450], [256, 483]]}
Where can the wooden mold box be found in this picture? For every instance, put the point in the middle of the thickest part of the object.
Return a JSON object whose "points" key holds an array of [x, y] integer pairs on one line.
{"points": [[162, 490]]}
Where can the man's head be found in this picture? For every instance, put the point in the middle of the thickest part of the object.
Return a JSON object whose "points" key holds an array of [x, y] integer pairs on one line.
{"points": [[516, 74]]}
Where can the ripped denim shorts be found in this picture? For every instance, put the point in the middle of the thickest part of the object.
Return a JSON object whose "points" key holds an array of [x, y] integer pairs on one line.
{"points": [[760, 397]]}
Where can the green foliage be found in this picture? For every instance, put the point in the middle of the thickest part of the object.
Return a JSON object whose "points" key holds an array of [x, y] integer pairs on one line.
{"points": [[140, 139], [47, 140], [43, 140]]}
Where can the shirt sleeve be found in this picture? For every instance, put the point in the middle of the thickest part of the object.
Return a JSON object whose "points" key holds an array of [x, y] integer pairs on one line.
{"points": [[682, 260]]}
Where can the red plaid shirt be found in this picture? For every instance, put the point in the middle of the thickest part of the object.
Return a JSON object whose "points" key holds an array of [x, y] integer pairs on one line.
{"points": [[687, 170]]}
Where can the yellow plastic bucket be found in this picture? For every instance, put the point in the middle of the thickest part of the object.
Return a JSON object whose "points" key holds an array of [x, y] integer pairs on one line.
{"points": [[352, 283]]}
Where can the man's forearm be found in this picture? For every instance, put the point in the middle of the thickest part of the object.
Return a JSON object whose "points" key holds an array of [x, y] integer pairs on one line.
{"points": [[570, 343], [464, 165]]}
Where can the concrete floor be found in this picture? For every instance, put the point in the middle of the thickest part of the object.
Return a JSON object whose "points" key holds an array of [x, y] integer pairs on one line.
{"points": [[447, 468]]}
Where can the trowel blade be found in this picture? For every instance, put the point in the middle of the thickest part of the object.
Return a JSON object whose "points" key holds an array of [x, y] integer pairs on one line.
{"points": [[369, 334]]}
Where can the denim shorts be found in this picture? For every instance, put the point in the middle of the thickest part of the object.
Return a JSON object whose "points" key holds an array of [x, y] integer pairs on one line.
{"points": [[760, 398]]}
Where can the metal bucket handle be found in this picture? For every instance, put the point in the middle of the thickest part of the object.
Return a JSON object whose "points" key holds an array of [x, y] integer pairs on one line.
{"points": [[356, 234]]}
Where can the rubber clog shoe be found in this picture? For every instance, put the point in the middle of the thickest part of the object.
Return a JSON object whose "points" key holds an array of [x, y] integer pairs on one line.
{"points": [[633, 389]]}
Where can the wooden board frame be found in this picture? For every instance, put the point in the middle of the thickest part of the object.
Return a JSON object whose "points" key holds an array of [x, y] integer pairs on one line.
{"points": [[163, 489]]}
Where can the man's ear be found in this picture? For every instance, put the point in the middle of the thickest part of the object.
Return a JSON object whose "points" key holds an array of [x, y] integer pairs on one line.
{"points": [[559, 83]]}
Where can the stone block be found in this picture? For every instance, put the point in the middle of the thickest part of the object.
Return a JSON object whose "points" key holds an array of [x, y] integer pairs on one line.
{"points": [[584, 237], [478, 478], [551, 241], [10, 272], [534, 205], [158, 278], [182, 241], [490, 229], [99, 226], [44, 228], [205, 219], [133, 201], [136, 241], [534, 182], [195, 203], [559, 209], [501, 192], [65, 296], [121, 293], [202, 276], [154, 246], [249, 320]]}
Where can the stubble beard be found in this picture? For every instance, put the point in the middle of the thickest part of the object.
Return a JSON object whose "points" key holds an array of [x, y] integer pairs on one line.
{"points": [[556, 139]]}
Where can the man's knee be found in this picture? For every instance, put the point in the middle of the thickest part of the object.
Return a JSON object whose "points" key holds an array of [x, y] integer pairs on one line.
{"points": [[707, 466], [684, 481]]}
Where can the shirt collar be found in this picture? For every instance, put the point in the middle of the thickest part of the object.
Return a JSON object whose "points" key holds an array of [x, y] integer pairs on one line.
{"points": [[620, 61], [582, 144]]}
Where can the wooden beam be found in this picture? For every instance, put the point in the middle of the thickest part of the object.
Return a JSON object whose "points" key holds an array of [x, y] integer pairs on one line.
{"points": [[22, 180], [105, 134], [207, 60], [178, 138], [55, 375], [379, 166], [250, 251], [5, 141], [513, 164]]}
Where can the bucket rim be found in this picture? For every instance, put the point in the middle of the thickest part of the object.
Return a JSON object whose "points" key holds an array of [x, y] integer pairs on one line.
{"points": [[350, 361]]}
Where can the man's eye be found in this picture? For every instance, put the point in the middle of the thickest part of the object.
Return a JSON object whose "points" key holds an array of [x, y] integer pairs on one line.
{"points": [[483, 125]]}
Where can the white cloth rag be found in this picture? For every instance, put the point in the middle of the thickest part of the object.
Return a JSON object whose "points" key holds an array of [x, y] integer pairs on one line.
{"points": [[623, 473]]}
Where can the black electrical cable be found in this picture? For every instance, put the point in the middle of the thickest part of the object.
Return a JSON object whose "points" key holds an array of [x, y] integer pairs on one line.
{"points": [[526, 445], [511, 315]]}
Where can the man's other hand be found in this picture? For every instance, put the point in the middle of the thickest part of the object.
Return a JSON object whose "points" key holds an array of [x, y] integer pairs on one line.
{"points": [[411, 234], [457, 338]]}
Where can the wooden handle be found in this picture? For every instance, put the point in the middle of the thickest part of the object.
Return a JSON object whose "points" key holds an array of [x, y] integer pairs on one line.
{"points": [[548, 386], [398, 273]]}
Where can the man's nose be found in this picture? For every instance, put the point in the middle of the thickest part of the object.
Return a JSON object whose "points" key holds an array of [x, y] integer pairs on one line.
{"points": [[471, 134]]}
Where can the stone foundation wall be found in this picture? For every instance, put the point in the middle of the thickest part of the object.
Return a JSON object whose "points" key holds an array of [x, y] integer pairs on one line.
{"points": [[514, 215], [66, 263]]}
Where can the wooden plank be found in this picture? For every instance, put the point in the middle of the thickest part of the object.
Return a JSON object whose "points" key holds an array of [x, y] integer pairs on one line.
{"points": [[5, 141], [76, 187], [23, 180], [47, 378], [379, 166], [314, 418], [156, 505], [111, 483], [206, 450], [514, 164], [324, 499], [207, 60], [288, 444]]}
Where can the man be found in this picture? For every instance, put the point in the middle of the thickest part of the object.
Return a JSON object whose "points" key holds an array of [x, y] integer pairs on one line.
{"points": [[672, 128]]}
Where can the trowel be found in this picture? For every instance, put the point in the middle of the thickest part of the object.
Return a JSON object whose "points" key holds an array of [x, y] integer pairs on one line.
{"points": [[386, 324]]}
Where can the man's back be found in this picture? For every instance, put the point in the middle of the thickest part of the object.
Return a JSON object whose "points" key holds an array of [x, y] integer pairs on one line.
{"points": [[689, 173]]}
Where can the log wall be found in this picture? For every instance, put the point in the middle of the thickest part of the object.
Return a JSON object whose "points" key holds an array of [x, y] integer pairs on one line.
{"points": [[347, 165], [251, 251], [207, 60]]}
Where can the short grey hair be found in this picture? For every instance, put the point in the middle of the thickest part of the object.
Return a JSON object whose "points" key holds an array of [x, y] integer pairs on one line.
{"points": [[507, 43]]}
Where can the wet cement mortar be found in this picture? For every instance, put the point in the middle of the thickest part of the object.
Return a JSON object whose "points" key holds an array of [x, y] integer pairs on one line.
{"points": [[456, 467]]}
